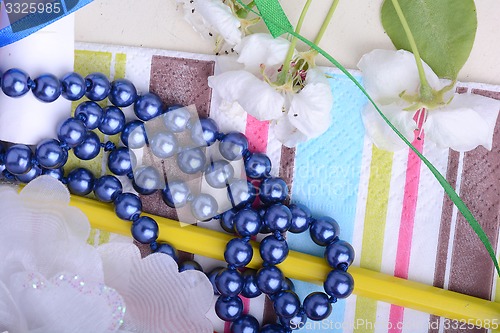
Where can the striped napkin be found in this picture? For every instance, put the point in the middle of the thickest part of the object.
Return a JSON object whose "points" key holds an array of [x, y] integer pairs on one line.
{"points": [[388, 205]]}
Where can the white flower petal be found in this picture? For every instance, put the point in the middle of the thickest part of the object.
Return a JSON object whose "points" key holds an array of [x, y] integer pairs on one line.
{"points": [[259, 48], [213, 17], [255, 96], [286, 133], [179, 300], [467, 122], [310, 108], [381, 134], [220, 16], [387, 73]]}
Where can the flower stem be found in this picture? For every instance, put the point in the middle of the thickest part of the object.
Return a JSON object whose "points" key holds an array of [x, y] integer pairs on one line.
{"points": [[291, 49], [326, 22], [425, 89]]}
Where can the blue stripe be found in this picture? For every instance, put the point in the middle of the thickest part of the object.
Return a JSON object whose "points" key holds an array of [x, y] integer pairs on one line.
{"points": [[326, 179]]}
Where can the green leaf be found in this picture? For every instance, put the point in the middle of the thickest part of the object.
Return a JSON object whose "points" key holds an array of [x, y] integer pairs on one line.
{"points": [[444, 31]]}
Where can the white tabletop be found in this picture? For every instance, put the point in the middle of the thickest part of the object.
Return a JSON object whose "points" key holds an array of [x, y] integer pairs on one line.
{"points": [[354, 30]]}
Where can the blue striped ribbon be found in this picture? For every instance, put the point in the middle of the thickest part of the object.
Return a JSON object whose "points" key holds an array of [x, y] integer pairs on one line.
{"points": [[19, 27]]}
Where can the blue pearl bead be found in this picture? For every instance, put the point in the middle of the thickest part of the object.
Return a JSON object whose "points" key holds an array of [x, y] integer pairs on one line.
{"points": [[226, 221], [286, 304], [204, 132], [257, 166], [229, 282], [177, 120], [296, 322], [144, 230], [134, 135], [47, 88], [148, 106], [122, 93], [273, 328], [14, 82], [245, 324], [190, 265], [166, 248], [107, 188], [176, 194], [228, 308], [127, 206], [317, 306], [211, 277], [89, 148], [80, 181], [98, 86], [72, 132], [278, 217], [287, 285], [73, 86], [272, 250], [218, 174], [34, 172], [204, 207], [238, 252], [232, 146], [240, 192], [324, 230], [113, 121], [301, 218], [247, 222], [339, 284], [50, 154], [90, 113], [119, 161], [18, 159], [250, 289], [173, 107], [191, 160], [147, 179], [273, 190], [339, 253], [269, 279], [55, 173], [163, 144]]}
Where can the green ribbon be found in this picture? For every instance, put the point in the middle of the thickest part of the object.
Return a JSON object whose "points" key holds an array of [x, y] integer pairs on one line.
{"points": [[274, 16], [274, 21]]}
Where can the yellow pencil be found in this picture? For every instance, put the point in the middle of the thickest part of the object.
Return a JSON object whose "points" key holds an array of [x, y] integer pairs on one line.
{"points": [[308, 268]]}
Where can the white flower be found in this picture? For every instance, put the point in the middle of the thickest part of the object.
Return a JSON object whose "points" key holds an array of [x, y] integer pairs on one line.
{"points": [[309, 113], [51, 280], [211, 18], [462, 124], [295, 114]]}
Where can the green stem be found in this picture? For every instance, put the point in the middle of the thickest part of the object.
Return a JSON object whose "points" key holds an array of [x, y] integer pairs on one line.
{"points": [[326, 22], [242, 12], [425, 88], [286, 65]]}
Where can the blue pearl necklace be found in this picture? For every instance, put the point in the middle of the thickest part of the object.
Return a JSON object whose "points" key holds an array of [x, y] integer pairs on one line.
{"points": [[245, 220]]}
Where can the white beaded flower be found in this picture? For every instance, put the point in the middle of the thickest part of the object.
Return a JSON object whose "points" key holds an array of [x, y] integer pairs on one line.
{"points": [[51, 280]]}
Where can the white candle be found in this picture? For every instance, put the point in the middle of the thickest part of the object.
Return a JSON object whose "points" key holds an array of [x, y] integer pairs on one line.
{"points": [[50, 50]]}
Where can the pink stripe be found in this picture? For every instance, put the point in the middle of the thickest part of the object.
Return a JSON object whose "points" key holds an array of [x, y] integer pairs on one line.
{"points": [[407, 218], [256, 132]]}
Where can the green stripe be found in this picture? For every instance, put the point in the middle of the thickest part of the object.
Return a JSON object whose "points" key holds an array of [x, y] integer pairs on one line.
{"points": [[374, 229]]}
